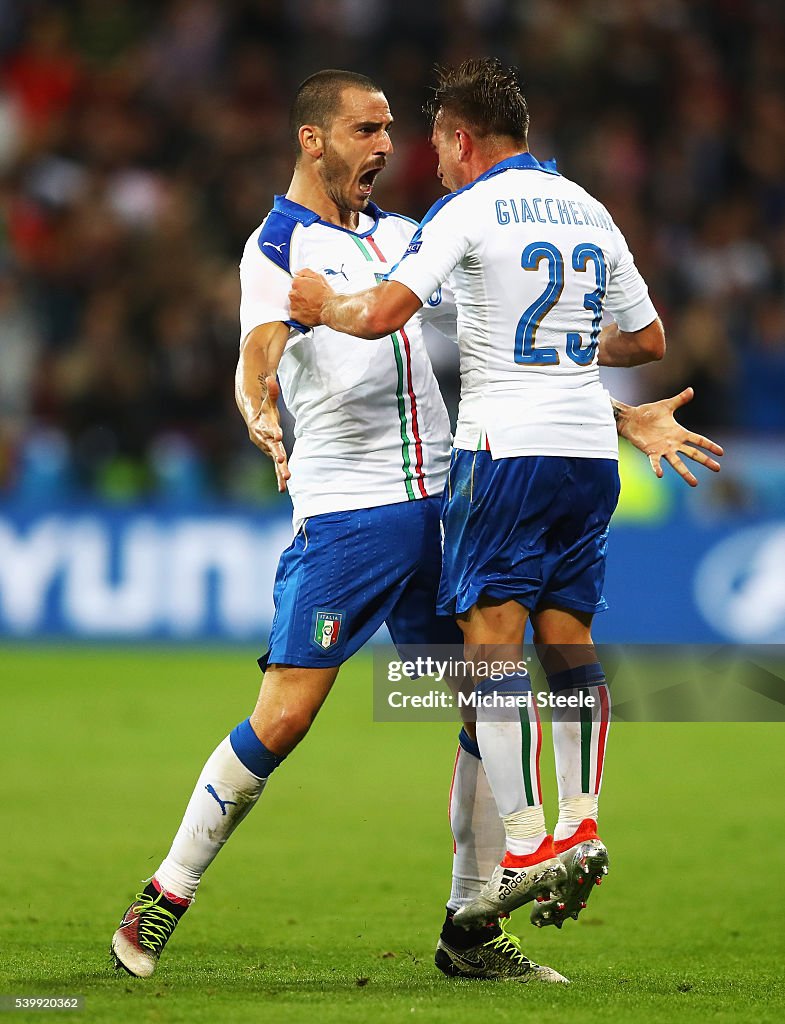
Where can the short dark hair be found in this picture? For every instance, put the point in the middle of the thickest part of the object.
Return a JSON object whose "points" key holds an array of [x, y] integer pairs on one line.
{"points": [[485, 94], [318, 99]]}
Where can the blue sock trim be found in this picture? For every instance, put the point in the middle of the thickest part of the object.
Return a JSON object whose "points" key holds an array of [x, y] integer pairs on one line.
{"points": [[573, 678], [508, 686], [252, 752], [468, 744]]}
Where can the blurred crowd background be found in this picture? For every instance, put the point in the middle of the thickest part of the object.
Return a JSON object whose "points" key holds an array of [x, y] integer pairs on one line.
{"points": [[141, 143]]}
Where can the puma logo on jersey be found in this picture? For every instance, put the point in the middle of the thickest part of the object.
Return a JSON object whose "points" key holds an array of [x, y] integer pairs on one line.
{"points": [[336, 273], [278, 248]]}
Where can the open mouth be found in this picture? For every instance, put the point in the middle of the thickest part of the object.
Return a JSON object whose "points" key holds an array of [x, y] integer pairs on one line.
{"points": [[367, 179]]}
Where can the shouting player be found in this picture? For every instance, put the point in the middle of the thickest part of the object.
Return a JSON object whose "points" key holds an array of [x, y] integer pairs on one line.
{"points": [[369, 462]]}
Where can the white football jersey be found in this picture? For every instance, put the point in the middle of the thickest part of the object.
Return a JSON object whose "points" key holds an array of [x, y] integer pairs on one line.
{"points": [[533, 261], [371, 427]]}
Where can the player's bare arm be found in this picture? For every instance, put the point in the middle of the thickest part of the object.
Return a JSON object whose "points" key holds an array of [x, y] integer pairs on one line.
{"points": [[370, 314], [655, 431], [256, 392], [631, 348]]}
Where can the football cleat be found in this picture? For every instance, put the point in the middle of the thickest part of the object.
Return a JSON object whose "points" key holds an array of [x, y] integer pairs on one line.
{"points": [[497, 959], [515, 881], [145, 929], [586, 863]]}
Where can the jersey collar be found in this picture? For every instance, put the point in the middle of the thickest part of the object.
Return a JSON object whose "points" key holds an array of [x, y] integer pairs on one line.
{"points": [[308, 217], [520, 162], [294, 210]]}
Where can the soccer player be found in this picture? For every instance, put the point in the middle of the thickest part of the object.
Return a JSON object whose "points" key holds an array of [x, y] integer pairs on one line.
{"points": [[369, 463], [534, 262]]}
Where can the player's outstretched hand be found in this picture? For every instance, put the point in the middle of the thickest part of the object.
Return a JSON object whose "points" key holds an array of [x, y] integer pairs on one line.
{"points": [[654, 429], [265, 432], [308, 294]]}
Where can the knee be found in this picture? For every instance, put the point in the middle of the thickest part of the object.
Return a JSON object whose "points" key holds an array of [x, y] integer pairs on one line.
{"points": [[296, 720], [282, 733], [288, 702]]}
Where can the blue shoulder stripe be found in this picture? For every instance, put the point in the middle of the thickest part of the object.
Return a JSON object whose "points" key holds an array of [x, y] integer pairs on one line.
{"points": [[275, 239], [276, 235]]}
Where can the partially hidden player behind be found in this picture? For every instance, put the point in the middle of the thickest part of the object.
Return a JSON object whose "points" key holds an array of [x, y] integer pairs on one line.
{"points": [[534, 262], [369, 464]]}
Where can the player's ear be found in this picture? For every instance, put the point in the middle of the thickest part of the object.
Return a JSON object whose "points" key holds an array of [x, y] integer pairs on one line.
{"points": [[464, 143], [311, 140]]}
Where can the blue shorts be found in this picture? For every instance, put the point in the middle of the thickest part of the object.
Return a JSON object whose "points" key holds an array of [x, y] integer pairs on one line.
{"points": [[532, 529], [345, 573]]}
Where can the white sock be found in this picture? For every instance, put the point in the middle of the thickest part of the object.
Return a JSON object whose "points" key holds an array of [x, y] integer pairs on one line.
{"points": [[525, 830], [478, 835], [510, 750], [572, 811], [579, 745], [225, 792]]}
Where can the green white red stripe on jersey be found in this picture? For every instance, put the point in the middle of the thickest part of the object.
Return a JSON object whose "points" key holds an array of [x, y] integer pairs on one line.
{"points": [[411, 440]]}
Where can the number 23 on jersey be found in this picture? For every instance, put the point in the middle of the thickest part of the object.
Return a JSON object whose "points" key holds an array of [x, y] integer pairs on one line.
{"points": [[585, 258]]}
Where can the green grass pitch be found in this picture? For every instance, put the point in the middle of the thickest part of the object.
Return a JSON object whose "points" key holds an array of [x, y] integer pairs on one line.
{"points": [[327, 901]]}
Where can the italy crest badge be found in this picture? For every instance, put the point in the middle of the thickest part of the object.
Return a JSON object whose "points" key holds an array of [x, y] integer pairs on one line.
{"points": [[326, 629]]}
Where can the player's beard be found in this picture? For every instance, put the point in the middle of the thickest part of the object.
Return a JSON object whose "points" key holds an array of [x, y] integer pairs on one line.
{"points": [[337, 178]]}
